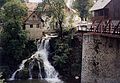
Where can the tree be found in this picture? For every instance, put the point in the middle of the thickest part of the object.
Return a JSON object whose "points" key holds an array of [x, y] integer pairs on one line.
{"points": [[55, 9], [66, 56], [2, 2], [82, 7], [13, 38]]}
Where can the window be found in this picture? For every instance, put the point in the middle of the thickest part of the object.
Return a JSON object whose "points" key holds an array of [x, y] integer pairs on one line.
{"points": [[31, 26], [100, 13], [33, 16], [106, 12], [37, 25], [24, 27]]}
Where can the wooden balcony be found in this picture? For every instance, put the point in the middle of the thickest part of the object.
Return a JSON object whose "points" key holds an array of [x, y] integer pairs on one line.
{"points": [[106, 26]]}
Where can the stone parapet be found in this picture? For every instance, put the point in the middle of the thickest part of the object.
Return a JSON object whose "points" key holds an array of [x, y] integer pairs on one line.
{"points": [[100, 59]]}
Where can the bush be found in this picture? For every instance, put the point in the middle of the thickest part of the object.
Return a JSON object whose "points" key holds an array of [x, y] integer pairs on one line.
{"points": [[66, 55]]}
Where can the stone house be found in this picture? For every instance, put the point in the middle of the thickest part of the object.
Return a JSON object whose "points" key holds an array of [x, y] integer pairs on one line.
{"points": [[33, 22]]}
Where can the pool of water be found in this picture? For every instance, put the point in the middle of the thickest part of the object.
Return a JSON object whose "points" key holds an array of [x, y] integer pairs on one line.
{"points": [[36, 81], [28, 81], [42, 81]]}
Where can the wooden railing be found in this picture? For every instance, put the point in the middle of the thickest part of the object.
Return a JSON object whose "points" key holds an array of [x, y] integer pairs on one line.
{"points": [[106, 26]]}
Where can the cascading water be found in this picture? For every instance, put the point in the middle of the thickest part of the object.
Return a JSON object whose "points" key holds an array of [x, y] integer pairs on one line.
{"points": [[20, 68], [40, 56]]}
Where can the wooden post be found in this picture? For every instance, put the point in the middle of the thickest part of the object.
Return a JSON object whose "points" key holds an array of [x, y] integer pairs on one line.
{"points": [[110, 26]]}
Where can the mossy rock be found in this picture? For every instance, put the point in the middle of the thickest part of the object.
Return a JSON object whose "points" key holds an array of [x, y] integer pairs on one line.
{"points": [[23, 74]]}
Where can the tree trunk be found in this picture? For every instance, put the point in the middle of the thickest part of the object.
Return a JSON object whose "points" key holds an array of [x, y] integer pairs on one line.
{"points": [[56, 24], [61, 29], [82, 19]]}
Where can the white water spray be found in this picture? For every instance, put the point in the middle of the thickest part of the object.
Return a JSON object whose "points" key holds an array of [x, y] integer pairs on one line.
{"points": [[20, 68], [41, 54]]}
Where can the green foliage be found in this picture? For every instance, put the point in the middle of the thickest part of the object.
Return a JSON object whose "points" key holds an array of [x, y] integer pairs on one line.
{"points": [[30, 48], [1, 3], [14, 10], [62, 52], [61, 56], [83, 7], [67, 56], [13, 38], [54, 9], [71, 21], [57, 7]]}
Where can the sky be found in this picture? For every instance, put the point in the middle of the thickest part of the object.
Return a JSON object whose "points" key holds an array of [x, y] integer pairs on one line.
{"points": [[68, 2], [36, 1]]}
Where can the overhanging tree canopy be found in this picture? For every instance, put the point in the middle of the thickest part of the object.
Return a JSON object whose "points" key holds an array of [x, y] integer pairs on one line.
{"points": [[13, 38], [83, 7], [54, 9]]}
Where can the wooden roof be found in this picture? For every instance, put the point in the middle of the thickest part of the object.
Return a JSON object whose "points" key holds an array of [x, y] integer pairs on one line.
{"points": [[34, 12], [100, 4]]}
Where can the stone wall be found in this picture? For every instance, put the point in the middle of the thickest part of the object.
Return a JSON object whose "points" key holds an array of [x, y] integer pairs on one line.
{"points": [[34, 33], [100, 59]]}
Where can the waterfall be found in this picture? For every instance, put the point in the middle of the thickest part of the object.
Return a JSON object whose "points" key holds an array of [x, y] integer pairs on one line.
{"points": [[39, 75], [20, 68], [41, 55]]}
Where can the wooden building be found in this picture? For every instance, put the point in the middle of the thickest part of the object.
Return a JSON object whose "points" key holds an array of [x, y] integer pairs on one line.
{"points": [[109, 9], [106, 16]]}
